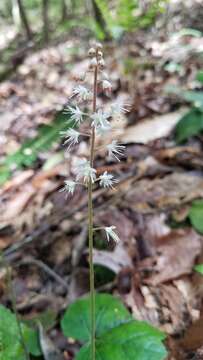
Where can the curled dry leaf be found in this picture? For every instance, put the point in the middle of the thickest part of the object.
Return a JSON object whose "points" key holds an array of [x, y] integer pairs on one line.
{"points": [[115, 261]]}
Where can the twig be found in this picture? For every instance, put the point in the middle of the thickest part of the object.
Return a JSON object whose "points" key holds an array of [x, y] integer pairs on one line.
{"points": [[46, 268]]}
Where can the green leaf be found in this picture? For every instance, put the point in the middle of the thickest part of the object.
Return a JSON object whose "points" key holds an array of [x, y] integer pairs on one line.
{"points": [[27, 154], [199, 76], [189, 125], [199, 268], [194, 97], [131, 341], [196, 215], [10, 350], [110, 312]]}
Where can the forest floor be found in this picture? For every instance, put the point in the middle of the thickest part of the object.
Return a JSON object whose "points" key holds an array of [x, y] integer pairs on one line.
{"points": [[43, 236]]}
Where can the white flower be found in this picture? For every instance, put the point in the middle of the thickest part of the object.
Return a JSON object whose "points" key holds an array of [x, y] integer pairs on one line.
{"points": [[85, 171], [100, 119], [82, 93], [107, 180], [110, 234], [71, 136], [118, 108], [75, 114], [106, 85], [116, 150], [69, 187]]}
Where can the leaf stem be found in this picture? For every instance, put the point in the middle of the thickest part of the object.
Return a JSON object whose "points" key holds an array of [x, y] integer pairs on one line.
{"points": [[90, 227]]}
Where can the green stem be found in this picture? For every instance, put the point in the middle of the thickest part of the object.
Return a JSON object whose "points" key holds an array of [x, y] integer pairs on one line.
{"points": [[91, 231]]}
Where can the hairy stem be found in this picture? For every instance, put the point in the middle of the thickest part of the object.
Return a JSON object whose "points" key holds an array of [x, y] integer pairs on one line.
{"points": [[90, 226]]}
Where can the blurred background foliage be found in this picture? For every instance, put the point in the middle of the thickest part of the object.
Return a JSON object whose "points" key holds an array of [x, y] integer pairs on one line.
{"points": [[104, 18]]}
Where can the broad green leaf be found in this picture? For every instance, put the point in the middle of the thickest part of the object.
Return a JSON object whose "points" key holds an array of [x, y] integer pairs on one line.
{"points": [[27, 154], [130, 341], [199, 76], [189, 125], [192, 96], [199, 268], [110, 312], [195, 97], [10, 340], [196, 215]]}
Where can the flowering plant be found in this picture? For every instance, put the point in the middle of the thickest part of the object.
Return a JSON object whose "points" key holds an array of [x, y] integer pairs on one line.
{"points": [[86, 174]]}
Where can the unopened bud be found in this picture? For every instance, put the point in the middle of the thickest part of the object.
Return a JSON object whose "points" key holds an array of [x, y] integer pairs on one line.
{"points": [[92, 52], [101, 63], [99, 46], [100, 55]]}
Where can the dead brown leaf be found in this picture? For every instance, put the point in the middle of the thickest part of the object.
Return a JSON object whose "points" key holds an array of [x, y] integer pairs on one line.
{"points": [[176, 254]]}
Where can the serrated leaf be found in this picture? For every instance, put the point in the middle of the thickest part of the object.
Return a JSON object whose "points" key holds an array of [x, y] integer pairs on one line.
{"points": [[189, 125], [199, 268], [110, 312], [196, 215], [10, 350], [131, 341]]}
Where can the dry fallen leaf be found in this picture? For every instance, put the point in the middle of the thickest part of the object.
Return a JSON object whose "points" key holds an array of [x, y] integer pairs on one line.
{"points": [[176, 254], [151, 129]]}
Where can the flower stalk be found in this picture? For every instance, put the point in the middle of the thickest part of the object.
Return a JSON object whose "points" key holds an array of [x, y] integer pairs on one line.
{"points": [[86, 174], [90, 223]]}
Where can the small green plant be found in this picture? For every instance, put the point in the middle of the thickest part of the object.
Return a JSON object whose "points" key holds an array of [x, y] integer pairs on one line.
{"points": [[199, 268], [118, 335], [191, 123], [196, 215]]}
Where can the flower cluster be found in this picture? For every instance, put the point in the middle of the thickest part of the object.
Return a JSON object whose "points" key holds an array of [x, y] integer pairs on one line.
{"points": [[99, 124]]}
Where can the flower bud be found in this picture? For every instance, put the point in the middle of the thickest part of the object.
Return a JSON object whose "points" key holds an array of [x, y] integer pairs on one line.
{"points": [[92, 52], [101, 64], [99, 46], [100, 55]]}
